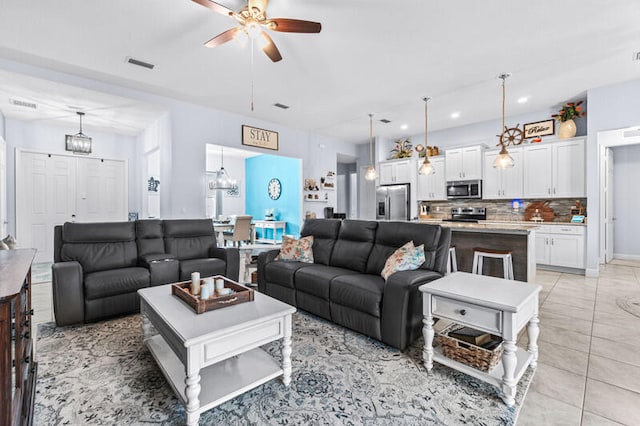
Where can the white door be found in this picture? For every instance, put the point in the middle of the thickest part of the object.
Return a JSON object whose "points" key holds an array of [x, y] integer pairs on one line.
{"points": [[472, 163], [423, 189], [3, 188], [568, 169], [609, 218], [492, 182], [453, 164], [542, 248], [512, 179], [403, 171], [537, 171], [101, 190], [45, 197], [567, 250], [386, 173], [438, 182]]}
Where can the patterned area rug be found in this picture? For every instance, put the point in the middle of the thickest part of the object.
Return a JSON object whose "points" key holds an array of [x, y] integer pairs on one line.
{"points": [[103, 374]]}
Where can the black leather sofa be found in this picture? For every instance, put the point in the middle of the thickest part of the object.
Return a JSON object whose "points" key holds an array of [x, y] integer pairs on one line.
{"points": [[98, 267], [344, 283]]}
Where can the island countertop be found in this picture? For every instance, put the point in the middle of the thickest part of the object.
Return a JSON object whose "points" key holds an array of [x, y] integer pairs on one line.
{"points": [[484, 227]]}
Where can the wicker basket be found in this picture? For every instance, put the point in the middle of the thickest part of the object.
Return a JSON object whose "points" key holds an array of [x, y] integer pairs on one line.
{"points": [[467, 353]]}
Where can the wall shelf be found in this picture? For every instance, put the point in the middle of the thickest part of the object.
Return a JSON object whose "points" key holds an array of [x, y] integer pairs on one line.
{"points": [[309, 200]]}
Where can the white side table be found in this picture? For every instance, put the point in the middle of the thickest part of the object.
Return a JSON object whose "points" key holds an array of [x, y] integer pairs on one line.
{"points": [[269, 224], [490, 304]]}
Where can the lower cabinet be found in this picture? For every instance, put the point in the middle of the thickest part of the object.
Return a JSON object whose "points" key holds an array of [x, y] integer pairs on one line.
{"points": [[560, 246]]}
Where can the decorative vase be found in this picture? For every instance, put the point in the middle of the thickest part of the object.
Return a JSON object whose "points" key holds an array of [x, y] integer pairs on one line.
{"points": [[567, 129]]}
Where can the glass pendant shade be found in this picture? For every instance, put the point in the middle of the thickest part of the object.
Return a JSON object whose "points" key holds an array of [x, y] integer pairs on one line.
{"points": [[503, 160], [426, 168], [222, 180], [371, 173]]}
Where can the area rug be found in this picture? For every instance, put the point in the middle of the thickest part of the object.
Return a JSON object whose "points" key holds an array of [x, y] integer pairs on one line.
{"points": [[40, 273], [103, 374]]}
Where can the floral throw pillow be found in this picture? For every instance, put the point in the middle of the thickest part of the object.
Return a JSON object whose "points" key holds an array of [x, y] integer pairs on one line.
{"points": [[406, 258], [296, 250]]}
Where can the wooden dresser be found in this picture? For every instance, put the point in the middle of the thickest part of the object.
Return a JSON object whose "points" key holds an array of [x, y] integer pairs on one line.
{"points": [[18, 369]]}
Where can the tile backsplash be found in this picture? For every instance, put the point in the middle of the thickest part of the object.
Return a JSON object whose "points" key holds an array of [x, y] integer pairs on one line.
{"points": [[502, 210]]}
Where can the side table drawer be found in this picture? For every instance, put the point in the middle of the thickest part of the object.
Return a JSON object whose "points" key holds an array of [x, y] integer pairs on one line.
{"points": [[467, 313]]}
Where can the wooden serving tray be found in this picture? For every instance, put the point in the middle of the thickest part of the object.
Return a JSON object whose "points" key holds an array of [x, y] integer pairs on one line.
{"points": [[242, 294]]}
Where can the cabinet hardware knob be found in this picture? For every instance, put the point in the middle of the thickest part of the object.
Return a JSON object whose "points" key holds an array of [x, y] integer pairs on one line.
{"points": [[463, 312], [27, 360], [26, 335]]}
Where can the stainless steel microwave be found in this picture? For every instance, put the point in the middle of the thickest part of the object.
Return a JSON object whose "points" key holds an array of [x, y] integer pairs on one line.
{"points": [[464, 189]]}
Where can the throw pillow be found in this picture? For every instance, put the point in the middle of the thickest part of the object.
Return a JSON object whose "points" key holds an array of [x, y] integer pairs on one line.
{"points": [[406, 258], [296, 250], [10, 241]]}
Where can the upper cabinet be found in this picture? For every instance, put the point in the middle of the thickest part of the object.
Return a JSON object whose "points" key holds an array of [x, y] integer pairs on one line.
{"points": [[432, 187], [503, 183], [463, 163], [395, 171], [555, 170]]}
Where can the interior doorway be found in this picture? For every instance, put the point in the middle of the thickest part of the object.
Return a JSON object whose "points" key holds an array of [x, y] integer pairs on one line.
{"points": [[347, 187], [3, 188], [619, 155]]}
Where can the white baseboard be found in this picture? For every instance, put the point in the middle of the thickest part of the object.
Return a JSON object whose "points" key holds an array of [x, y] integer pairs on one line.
{"points": [[592, 273], [626, 256]]}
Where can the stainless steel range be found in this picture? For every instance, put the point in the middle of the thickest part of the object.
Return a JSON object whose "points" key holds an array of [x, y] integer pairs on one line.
{"points": [[467, 214]]}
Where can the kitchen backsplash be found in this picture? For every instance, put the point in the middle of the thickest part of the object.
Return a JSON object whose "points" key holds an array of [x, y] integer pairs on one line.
{"points": [[503, 210]]}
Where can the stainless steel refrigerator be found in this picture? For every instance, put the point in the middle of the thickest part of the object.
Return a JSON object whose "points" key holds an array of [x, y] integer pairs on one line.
{"points": [[392, 202]]}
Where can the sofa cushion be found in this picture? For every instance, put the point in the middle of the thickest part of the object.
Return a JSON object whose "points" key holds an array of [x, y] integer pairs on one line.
{"points": [[316, 279], [391, 235], [296, 250], [73, 232], [354, 244], [101, 256], [362, 292], [189, 238], [207, 267], [406, 258], [149, 237], [283, 273], [325, 233], [115, 281]]}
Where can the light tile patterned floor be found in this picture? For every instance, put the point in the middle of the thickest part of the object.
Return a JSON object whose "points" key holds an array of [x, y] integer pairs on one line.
{"points": [[589, 367]]}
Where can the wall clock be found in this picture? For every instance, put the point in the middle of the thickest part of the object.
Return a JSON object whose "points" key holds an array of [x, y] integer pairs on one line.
{"points": [[275, 188]]}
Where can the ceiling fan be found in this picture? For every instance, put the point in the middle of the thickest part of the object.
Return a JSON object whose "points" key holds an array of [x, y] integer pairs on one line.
{"points": [[253, 22]]}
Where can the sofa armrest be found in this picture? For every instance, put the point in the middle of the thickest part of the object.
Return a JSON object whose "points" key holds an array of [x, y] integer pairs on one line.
{"points": [[68, 293], [401, 319], [264, 258], [442, 252], [231, 256], [163, 268]]}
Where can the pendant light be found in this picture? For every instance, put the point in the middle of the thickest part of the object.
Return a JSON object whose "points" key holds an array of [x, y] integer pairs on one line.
{"points": [[222, 180], [426, 168], [371, 173], [503, 160], [78, 143]]}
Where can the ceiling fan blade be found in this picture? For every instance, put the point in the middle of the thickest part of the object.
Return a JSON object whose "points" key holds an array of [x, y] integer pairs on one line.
{"points": [[215, 7], [223, 37], [293, 25], [270, 48]]}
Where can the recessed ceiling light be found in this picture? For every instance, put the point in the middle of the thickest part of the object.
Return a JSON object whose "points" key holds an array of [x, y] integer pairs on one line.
{"points": [[404, 127], [455, 115], [523, 99]]}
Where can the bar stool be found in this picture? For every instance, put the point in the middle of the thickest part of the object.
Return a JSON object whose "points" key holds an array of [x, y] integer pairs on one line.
{"points": [[452, 261], [507, 261]]}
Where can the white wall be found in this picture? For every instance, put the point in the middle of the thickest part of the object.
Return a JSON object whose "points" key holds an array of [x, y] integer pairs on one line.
{"points": [[192, 127], [42, 137], [610, 107], [626, 204]]}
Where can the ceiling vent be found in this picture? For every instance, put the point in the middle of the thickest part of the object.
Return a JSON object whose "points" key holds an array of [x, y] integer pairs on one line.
{"points": [[139, 63], [279, 105], [23, 104], [385, 121]]}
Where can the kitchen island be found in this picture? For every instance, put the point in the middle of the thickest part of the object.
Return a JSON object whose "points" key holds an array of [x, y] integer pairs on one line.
{"points": [[517, 237]]}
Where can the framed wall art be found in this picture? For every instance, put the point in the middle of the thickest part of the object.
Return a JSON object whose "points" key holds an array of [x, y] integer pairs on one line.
{"points": [[539, 128]]}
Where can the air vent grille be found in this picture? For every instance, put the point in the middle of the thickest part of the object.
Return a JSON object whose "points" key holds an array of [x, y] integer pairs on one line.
{"points": [[385, 121], [279, 105], [24, 104], [140, 63]]}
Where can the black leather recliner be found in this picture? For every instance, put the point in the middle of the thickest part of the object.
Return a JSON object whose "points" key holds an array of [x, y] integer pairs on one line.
{"points": [[100, 266]]}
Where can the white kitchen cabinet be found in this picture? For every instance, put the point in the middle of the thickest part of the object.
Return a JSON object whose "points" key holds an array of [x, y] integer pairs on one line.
{"points": [[432, 187], [395, 171], [502, 183], [555, 170], [464, 163], [560, 245]]}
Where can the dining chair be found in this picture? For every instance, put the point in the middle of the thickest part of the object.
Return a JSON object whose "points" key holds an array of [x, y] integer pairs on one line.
{"points": [[241, 231]]}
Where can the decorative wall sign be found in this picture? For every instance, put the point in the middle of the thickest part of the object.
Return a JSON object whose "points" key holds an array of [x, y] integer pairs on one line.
{"points": [[539, 128], [152, 184], [261, 138]]}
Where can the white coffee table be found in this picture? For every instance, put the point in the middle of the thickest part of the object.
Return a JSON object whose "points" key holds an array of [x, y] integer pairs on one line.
{"points": [[494, 305], [212, 357]]}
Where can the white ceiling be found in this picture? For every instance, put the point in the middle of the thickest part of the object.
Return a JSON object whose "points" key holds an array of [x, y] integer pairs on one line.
{"points": [[371, 56]]}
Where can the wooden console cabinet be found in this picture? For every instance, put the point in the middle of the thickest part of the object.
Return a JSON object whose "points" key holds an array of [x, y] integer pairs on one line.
{"points": [[18, 369]]}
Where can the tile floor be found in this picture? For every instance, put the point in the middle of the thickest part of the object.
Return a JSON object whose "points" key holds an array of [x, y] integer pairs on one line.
{"points": [[589, 366]]}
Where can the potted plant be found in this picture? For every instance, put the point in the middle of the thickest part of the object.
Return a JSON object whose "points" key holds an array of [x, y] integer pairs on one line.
{"points": [[402, 149], [565, 116]]}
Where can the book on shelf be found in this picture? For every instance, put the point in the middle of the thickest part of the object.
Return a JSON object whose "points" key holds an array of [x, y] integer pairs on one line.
{"points": [[470, 335]]}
